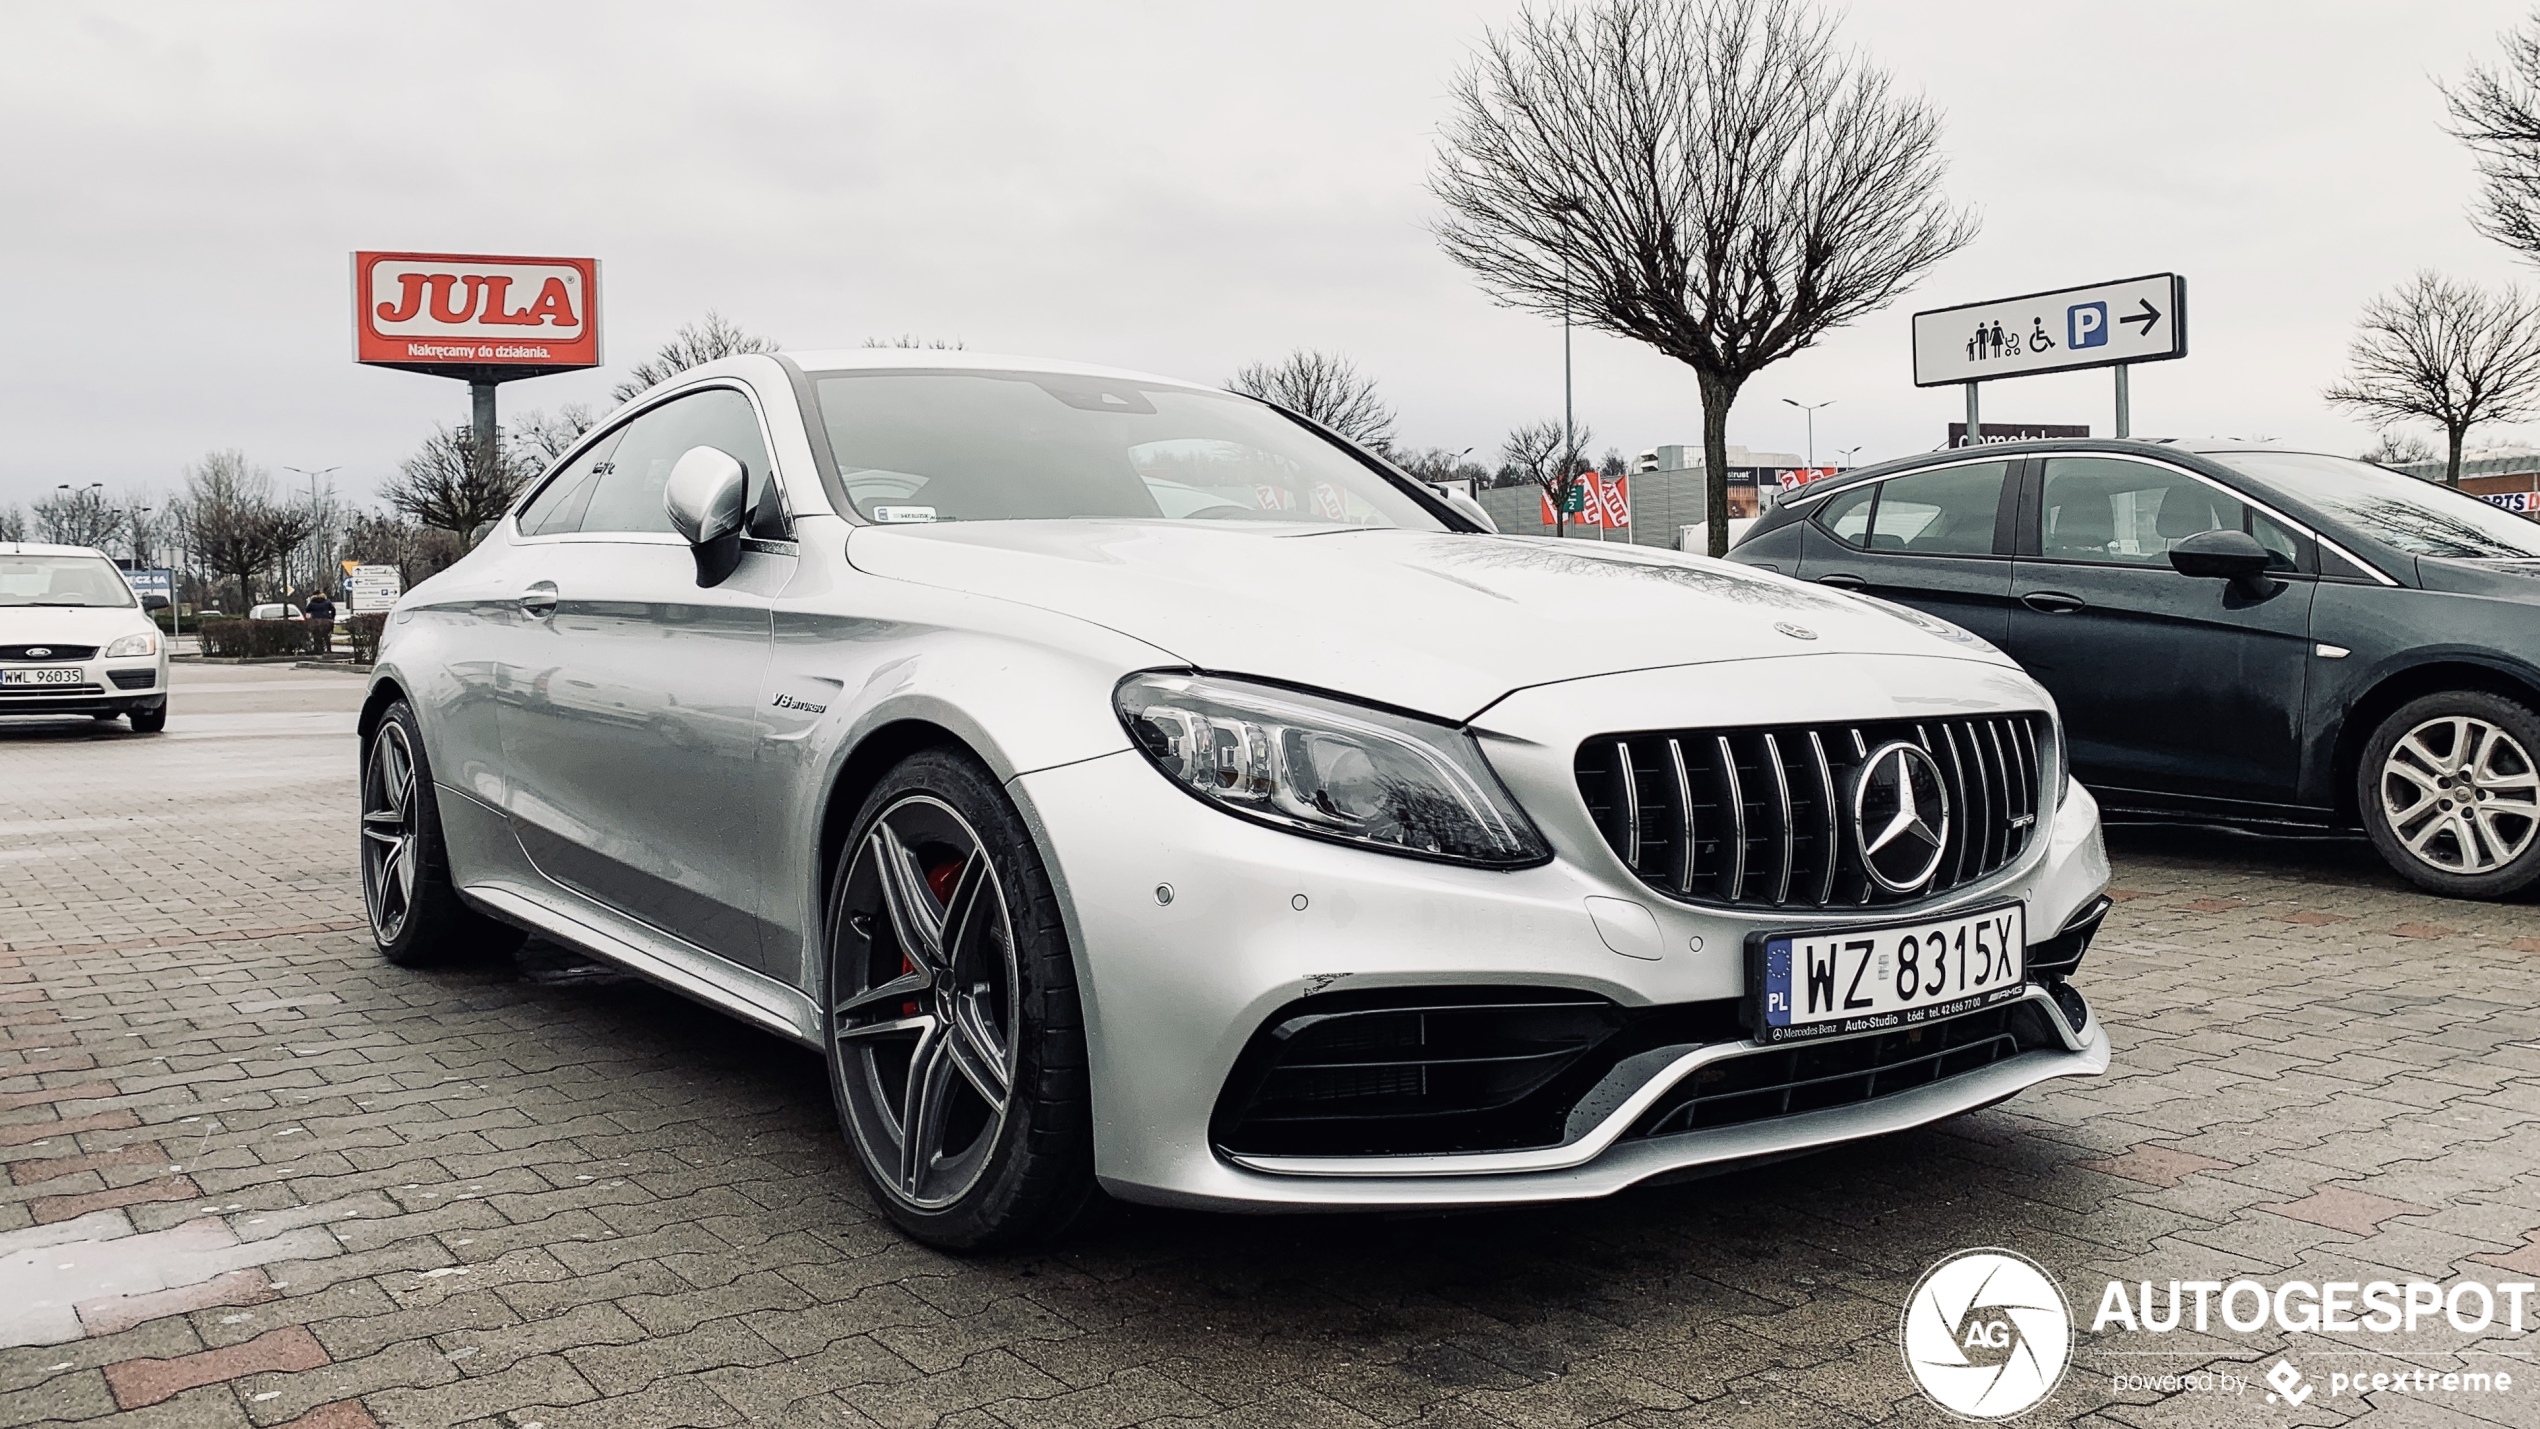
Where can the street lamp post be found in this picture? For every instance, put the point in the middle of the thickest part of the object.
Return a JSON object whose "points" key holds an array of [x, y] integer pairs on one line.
{"points": [[1811, 409]]}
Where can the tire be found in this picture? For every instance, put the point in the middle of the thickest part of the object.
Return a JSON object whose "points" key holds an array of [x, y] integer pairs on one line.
{"points": [[416, 915], [949, 978], [2449, 790], [150, 721]]}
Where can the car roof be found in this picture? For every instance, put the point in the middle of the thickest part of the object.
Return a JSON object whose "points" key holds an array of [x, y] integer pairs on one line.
{"points": [[2126, 446], [38, 548], [920, 359]]}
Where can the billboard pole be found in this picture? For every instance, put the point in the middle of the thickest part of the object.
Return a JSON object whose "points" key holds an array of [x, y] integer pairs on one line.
{"points": [[481, 399]]}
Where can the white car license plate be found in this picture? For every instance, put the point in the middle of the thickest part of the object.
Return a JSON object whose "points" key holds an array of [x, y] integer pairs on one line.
{"points": [[48, 675], [1820, 984]]}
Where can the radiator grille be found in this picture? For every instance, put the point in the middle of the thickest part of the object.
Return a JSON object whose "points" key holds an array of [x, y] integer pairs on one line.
{"points": [[1763, 817], [53, 654]]}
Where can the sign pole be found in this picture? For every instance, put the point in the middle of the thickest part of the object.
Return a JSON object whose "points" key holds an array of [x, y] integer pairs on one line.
{"points": [[2125, 404], [1973, 431]]}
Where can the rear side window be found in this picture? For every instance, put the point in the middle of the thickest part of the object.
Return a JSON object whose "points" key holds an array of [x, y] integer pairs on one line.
{"points": [[1946, 512], [1846, 516], [627, 495]]}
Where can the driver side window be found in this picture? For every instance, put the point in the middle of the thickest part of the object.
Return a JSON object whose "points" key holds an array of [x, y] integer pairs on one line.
{"points": [[628, 494]]}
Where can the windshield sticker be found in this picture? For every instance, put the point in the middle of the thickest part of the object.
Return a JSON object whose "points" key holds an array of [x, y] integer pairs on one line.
{"points": [[903, 515]]}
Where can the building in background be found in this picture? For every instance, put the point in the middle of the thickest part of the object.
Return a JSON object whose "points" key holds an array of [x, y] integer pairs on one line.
{"points": [[2511, 481]]}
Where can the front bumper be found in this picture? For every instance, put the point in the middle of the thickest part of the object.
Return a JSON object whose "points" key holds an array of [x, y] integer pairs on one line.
{"points": [[1193, 928], [106, 687]]}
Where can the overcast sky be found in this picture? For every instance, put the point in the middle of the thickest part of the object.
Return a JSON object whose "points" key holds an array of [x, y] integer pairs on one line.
{"points": [[1173, 187]]}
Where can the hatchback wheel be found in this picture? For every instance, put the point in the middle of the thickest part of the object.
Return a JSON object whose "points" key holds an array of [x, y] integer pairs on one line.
{"points": [[2450, 793], [416, 915], [956, 1052]]}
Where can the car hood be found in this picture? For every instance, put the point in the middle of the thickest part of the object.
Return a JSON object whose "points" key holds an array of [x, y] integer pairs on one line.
{"points": [[70, 624], [1435, 622]]}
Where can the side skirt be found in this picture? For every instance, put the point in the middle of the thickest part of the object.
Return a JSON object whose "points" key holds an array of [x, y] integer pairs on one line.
{"points": [[691, 972]]}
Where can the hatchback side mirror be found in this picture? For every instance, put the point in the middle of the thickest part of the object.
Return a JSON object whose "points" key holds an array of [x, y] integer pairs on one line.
{"points": [[707, 497], [2234, 556]]}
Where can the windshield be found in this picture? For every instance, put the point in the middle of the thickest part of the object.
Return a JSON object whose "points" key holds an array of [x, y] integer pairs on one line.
{"points": [[60, 580], [1007, 446], [2417, 517]]}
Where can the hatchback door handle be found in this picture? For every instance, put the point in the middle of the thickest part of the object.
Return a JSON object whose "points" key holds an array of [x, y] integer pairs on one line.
{"points": [[1841, 581], [539, 601], [2053, 602]]}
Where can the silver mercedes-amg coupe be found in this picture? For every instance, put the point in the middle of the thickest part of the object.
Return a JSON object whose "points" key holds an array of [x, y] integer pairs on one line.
{"points": [[1127, 784]]}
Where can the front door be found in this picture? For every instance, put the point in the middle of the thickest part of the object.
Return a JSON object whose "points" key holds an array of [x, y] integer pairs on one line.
{"points": [[2169, 684], [1925, 539], [633, 740]]}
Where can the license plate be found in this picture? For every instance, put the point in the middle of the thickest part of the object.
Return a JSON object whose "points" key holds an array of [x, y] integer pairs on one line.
{"points": [[1822, 984], [50, 675]]}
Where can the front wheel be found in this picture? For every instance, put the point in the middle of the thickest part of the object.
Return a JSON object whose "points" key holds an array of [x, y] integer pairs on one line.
{"points": [[2450, 794], [956, 1049], [151, 720]]}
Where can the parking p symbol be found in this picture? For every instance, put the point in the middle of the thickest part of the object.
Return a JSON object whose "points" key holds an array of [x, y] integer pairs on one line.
{"points": [[2086, 325]]}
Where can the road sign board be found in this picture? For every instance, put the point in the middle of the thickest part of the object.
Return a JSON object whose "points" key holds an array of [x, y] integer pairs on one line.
{"points": [[2132, 320], [153, 584], [370, 588], [484, 318]]}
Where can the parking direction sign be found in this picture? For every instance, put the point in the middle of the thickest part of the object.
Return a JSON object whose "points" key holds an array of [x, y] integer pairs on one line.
{"points": [[2100, 325]]}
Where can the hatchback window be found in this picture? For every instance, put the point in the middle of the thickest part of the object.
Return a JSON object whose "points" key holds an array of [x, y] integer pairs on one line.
{"points": [[60, 580], [991, 446], [1947, 512], [2111, 510], [627, 494]]}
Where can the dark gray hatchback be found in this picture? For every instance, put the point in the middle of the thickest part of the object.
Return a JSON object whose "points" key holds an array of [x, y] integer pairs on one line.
{"points": [[2235, 634]]}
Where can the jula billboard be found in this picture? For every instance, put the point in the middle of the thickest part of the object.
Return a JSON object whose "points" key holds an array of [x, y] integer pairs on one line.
{"points": [[477, 317]]}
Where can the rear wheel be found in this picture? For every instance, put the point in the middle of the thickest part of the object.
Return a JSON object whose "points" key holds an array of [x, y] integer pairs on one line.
{"points": [[956, 1050], [2450, 793], [416, 915]]}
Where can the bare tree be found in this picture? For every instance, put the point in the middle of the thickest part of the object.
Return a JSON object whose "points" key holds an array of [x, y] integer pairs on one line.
{"points": [[385, 538], [694, 345], [450, 486], [2448, 353], [538, 438], [2496, 112], [78, 516], [2397, 449], [1710, 177], [1535, 453], [12, 524], [228, 518], [1439, 464], [1325, 387], [910, 339]]}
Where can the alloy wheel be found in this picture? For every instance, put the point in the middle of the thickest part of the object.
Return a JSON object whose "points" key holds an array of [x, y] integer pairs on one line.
{"points": [[923, 1008], [390, 833], [2461, 794]]}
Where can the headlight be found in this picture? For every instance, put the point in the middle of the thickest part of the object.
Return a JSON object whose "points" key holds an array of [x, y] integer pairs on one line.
{"points": [[1314, 765], [145, 643]]}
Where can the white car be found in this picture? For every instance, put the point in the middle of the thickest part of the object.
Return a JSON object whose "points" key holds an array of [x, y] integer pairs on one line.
{"points": [[1126, 783], [273, 612], [74, 639]]}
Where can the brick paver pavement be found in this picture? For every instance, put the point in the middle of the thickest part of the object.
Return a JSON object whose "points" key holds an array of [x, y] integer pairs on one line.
{"points": [[255, 1176]]}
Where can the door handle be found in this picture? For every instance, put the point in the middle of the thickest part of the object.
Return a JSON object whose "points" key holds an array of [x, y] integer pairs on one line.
{"points": [[1841, 581], [539, 601], [2053, 602]]}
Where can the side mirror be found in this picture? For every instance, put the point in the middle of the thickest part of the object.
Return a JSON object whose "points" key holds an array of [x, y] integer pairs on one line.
{"points": [[707, 497], [2234, 556], [1471, 509]]}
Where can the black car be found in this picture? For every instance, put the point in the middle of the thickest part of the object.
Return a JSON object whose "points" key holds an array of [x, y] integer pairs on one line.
{"points": [[2235, 633]]}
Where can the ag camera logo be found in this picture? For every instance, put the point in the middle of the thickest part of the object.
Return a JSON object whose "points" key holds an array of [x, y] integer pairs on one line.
{"points": [[1987, 1334]]}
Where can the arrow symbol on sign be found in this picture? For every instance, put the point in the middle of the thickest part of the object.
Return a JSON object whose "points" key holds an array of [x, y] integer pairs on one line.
{"points": [[2147, 317]]}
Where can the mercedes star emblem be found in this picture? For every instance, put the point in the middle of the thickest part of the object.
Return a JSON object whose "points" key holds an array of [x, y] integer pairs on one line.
{"points": [[1900, 817]]}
